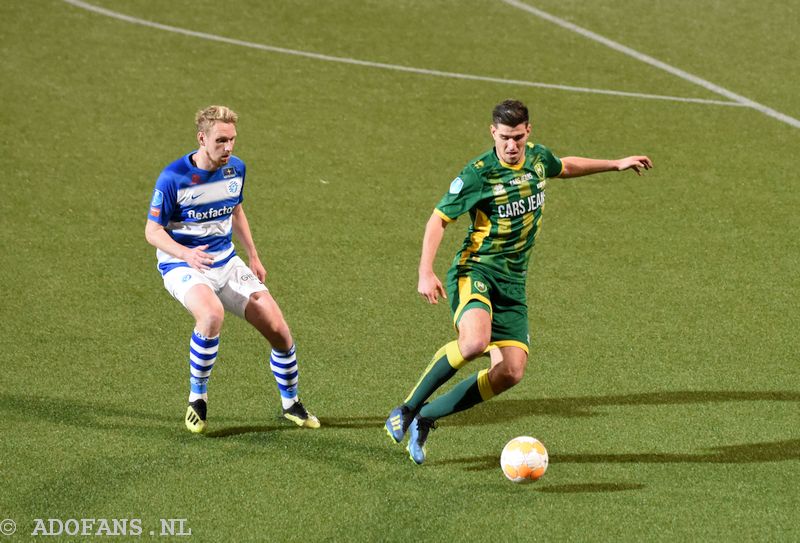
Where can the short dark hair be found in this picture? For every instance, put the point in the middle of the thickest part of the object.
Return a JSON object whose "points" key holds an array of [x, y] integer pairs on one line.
{"points": [[510, 113]]}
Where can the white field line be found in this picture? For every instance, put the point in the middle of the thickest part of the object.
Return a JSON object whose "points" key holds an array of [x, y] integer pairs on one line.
{"points": [[741, 100], [394, 67]]}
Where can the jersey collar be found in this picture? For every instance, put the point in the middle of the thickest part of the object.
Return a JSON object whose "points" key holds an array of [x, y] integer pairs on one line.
{"points": [[514, 167]]}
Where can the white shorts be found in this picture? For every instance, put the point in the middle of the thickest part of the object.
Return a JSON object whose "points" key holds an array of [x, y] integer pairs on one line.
{"points": [[233, 283]]}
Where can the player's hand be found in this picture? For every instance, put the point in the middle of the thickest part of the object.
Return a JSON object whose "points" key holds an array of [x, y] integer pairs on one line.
{"points": [[258, 268], [635, 163], [430, 287], [198, 259]]}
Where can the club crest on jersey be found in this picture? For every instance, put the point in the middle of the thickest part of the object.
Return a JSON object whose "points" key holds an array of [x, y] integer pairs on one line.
{"points": [[233, 186], [456, 185], [480, 286], [538, 169], [498, 189], [228, 172]]}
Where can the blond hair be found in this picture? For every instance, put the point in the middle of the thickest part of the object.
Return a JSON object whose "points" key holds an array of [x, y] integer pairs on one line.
{"points": [[206, 118]]}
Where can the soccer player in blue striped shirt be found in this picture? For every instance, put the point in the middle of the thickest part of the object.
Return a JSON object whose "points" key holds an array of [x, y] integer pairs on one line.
{"points": [[196, 207]]}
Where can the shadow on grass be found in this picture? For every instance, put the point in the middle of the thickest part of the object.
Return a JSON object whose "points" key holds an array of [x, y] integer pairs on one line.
{"points": [[589, 487], [746, 453], [586, 406], [282, 424], [580, 406], [242, 430], [79, 412], [85, 413], [354, 422], [104, 416]]}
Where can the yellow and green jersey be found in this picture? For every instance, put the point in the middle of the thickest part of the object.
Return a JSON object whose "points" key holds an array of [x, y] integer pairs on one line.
{"points": [[504, 203]]}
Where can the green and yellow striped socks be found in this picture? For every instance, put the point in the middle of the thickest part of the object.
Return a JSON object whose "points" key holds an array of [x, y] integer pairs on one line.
{"points": [[468, 393], [445, 363]]}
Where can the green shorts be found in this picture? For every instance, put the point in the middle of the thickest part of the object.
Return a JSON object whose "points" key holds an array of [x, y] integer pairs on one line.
{"points": [[506, 302]]}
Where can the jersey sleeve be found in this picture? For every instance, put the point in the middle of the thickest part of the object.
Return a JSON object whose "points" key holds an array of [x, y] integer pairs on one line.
{"points": [[552, 164], [464, 194], [163, 201], [244, 176]]}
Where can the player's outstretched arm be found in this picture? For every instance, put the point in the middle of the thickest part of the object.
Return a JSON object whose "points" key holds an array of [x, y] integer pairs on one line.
{"points": [[575, 166], [429, 285]]}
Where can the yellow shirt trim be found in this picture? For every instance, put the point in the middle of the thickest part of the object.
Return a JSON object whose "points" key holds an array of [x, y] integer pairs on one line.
{"points": [[444, 217], [514, 167], [510, 343]]}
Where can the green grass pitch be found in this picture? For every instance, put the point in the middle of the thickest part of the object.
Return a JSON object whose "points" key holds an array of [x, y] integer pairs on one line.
{"points": [[664, 376]]}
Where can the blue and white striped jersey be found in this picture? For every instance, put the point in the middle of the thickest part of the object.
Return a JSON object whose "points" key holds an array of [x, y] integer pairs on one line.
{"points": [[195, 206]]}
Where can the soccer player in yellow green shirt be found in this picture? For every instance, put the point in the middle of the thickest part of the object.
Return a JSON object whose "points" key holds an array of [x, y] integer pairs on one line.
{"points": [[502, 190]]}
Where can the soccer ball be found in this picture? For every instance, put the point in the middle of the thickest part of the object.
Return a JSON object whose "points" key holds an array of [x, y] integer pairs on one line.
{"points": [[524, 459]]}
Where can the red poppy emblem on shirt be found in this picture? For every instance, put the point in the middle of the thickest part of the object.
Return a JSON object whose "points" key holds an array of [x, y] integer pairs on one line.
{"points": [[195, 179]]}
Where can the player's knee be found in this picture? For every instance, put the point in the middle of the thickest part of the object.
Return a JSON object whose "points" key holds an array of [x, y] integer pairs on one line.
{"points": [[515, 374], [281, 337], [270, 322], [210, 321], [472, 347], [508, 375]]}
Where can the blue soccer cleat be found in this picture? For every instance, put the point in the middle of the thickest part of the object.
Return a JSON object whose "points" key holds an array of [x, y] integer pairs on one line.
{"points": [[417, 436], [397, 423]]}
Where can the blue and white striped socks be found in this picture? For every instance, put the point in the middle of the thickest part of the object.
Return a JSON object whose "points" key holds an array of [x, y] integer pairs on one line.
{"points": [[284, 367], [202, 355]]}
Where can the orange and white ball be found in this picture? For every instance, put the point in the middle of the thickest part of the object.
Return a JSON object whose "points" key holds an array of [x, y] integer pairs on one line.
{"points": [[524, 459]]}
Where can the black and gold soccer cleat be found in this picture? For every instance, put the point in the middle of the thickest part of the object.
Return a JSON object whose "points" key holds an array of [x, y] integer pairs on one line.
{"points": [[300, 416], [196, 417]]}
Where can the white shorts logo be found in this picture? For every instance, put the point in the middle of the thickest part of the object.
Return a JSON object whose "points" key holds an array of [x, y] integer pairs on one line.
{"points": [[234, 283]]}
